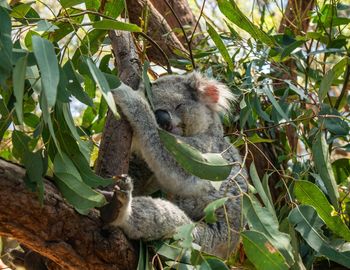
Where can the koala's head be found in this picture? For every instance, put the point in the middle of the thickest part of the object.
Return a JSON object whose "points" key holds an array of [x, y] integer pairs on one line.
{"points": [[188, 104]]}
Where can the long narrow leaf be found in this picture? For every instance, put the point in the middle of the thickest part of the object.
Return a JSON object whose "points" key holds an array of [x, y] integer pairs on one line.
{"points": [[220, 45], [19, 73], [230, 9], [46, 58], [260, 219], [261, 253], [323, 165], [102, 83], [308, 224], [116, 25], [308, 193], [210, 166]]}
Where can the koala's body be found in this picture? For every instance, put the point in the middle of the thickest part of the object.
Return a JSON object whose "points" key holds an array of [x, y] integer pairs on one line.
{"points": [[187, 106]]}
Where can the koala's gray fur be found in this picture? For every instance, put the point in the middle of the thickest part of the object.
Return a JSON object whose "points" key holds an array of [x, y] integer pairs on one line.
{"points": [[193, 102]]}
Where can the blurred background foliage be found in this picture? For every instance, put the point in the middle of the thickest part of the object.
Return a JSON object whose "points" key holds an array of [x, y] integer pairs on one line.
{"points": [[286, 61]]}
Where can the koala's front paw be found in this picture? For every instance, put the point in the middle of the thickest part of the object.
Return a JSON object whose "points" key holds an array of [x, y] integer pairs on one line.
{"points": [[123, 188], [120, 200]]}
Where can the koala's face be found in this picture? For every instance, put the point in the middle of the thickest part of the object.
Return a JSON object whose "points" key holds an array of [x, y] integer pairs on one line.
{"points": [[187, 104]]}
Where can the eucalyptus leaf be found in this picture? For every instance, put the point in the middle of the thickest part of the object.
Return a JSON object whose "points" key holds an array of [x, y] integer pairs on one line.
{"points": [[5, 45], [68, 179], [19, 73], [261, 220], [341, 169], [308, 224], [45, 26], [210, 166], [74, 85], [210, 209], [220, 45], [108, 24], [46, 58], [330, 76], [103, 85], [70, 3], [261, 253], [309, 194], [322, 162], [230, 9], [184, 233], [259, 188]]}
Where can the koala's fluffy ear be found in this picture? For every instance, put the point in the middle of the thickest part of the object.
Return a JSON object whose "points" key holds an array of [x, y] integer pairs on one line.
{"points": [[211, 92]]}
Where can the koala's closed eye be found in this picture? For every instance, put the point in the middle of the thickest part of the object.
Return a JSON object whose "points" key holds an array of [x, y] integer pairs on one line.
{"points": [[163, 118], [178, 106]]}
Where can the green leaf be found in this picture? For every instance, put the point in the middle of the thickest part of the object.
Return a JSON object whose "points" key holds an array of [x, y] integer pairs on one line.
{"points": [[47, 119], [213, 264], [210, 209], [68, 179], [309, 194], [20, 11], [70, 3], [174, 253], [103, 85], [46, 58], [31, 120], [34, 165], [74, 151], [330, 76], [5, 45], [184, 233], [261, 220], [74, 85], [210, 166], [336, 125], [260, 189], [261, 253], [20, 142], [230, 9], [114, 8], [4, 4], [33, 162], [90, 44], [220, 45], [253, 139], [19, 73], [268, 92], [45, 26], [116, 25], [341, 170], [321, 158], [308, 224]]}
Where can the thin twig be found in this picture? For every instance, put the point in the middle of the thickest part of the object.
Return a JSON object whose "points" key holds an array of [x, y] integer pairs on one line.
{"points": [[345, 86], [183, 31], [197, 22], [160, 50]]}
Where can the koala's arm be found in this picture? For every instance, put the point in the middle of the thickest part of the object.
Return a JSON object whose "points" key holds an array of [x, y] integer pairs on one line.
{"points": [[170, 175]]}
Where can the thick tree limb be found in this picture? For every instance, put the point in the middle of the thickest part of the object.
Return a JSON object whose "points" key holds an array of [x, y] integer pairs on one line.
{"points": [[158, 28], [114, 153], [55, 230]]}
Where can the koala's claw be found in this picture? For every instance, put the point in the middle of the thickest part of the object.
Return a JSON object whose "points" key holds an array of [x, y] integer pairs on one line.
{"points": [[123, 187]]}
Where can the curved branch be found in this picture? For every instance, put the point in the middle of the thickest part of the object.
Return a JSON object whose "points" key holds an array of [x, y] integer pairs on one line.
{"points": [[55, 230]]}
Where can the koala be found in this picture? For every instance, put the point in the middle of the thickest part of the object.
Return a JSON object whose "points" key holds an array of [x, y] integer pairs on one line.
{"points": [[188, 106]]}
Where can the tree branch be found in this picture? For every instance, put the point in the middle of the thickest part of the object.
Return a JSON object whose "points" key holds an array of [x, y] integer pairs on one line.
{"points": [[55, 230], [158, 28]]}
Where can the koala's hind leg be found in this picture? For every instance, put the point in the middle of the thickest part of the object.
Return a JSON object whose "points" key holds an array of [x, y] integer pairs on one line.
{"points": [[145, 217]]}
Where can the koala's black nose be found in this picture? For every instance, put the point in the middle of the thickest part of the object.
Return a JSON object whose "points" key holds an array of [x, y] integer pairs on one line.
{"points": [[163, 119]]}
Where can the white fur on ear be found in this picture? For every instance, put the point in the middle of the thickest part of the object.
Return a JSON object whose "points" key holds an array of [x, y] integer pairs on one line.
{"points": [[211, 92]]}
